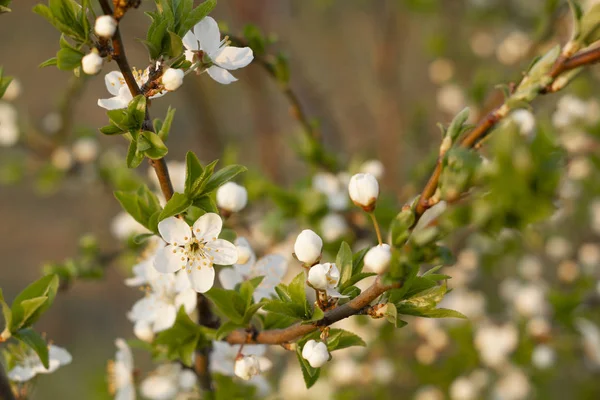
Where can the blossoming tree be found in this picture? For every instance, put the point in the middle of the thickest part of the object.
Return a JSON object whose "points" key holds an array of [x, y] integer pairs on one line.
{"points": [[212, 307]]}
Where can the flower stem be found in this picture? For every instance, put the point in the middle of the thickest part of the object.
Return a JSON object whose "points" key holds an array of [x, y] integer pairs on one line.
{"points": [[376, 225]]}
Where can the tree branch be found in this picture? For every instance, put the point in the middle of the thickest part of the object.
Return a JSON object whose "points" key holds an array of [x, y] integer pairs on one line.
{"points": [[279, 336]]}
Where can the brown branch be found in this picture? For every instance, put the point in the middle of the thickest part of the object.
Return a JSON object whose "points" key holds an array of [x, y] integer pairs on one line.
{"points": [[279, 336], [483, 128], [6, 392], [202, 367]]}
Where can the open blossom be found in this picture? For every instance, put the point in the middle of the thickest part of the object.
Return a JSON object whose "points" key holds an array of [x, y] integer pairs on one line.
{"points": [[168, 292], [120, 373], [308, 246], [194, 249], [272, 267], [364, 191], [30, 364], [325, 277], [115, 83], [204, 44], [333, 226], [333, 187], [315, 353], [232, 197], [246, 367], [169, 381]]}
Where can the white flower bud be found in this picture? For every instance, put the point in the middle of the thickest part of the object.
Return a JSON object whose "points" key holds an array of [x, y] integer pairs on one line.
{"points": [[232, 197], [172, 78], [244, 254], [246, 367], [315, 353], [85, 150], [333, 227], [378, 258], [324, 276], [143, 331], [364, 190], [373, 167], [308, 247], [105, 26], [91, 63]]}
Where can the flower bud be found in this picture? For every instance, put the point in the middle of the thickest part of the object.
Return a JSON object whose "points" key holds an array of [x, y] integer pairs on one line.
{"points": [[244, 254], [315, 353], [246, 367], [364, 190], [143, 331], [373, 167], [105, 26], [91, 63], [378, 258], [232, 197], [172, 78], [308, 247], [324, 276]]}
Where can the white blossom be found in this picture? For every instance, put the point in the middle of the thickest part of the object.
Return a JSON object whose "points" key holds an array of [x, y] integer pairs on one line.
{"points": [[91, 63], [246, 367], [308, 247], [172, 79], [194, 250], [315, 353], [333, 226], [124, 226], [224, 356], [591, 340], [85, 150], [272, 267], [495, 343], [105, 26], [29, 364], [204, 44], [115, 83], [543, 356], [525, 120], [325, 277], [463, 389], [373, 167], [120, 373], [333, 187], [378, 258], [232, 197], [9, 128], [167, 382], [364, 191]]}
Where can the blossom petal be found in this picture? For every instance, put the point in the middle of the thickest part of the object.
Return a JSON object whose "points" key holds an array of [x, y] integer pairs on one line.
{"points": [[59, 354], [229, 277], [202, 278], [207, 33], [170, 259], [165, 316], [190, 41], [124, 354], [221, 75], [114, 103], [234, 57], [222, 252], [143, 310], [334, 293], [175, 231], [126, 392], [207, 227], [245, 269], [181, 281], [114, 81], [189, 56], [21, 374], [187, 299], [159, 387], [271, 265]]}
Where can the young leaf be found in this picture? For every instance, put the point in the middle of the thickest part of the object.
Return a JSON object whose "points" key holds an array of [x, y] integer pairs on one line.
{"points": [[229, 303], [26, 312], [136, 111], [68, 59], [165, 128], [176, 205], [181, 339], [33, 339], [310, 374], [157, 148], [223, 176], [193, 171], [344, 264]]}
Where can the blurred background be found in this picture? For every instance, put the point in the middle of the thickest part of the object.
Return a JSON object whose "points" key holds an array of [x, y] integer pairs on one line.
{"points": [[376, 75]]}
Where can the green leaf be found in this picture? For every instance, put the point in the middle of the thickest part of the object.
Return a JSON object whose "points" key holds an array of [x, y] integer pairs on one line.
{"points": [[223, 176], [136, 111], [229, 303], [286, 309], [68, 59], [119, 118], [206, 203], [111, 130], [177, 204], [134, 157], [297, 293], [310, 374], [248, 287], [33, 339], [157, 148], [165, 128], [175, 45], [7, 314], [49, 62], [226, 328], [195, 16], [344, 263], [181, 339], [193, 171], [28, 307], [341, 339]]}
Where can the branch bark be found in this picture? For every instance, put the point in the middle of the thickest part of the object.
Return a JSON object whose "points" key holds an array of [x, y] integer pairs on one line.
{"points": [[6, 392], [279, 336]]}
